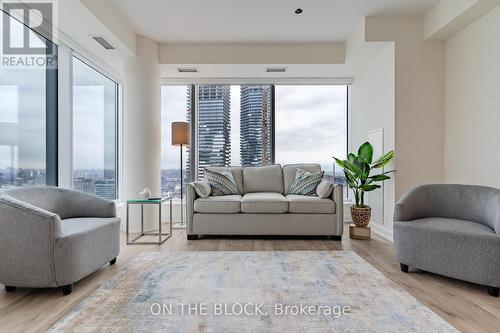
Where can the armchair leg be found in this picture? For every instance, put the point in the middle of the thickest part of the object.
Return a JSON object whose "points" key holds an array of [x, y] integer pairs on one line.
{"points": [[494, 291], [10, 289], [404, 268], [192, 237], [67, 289], [112, 262], [336, 238]]}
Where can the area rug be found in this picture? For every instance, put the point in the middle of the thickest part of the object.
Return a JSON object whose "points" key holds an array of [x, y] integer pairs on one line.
{"points": [[303, 291]]}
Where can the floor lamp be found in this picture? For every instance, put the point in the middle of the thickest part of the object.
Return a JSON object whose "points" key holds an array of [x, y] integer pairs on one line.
{"points": [[180, 137]]}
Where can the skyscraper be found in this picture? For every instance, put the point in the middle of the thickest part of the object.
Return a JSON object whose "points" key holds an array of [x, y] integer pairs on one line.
{"points": [[255, 125], [214, 126]]}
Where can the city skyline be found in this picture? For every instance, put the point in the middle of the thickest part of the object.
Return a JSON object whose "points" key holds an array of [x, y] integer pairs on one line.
{"points": [[324, 107]]}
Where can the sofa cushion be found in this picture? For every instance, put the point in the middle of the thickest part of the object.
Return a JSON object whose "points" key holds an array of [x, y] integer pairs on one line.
{"points": [[305, 204], [263, 179], [305, 183], [290, 170], [222, 182], [237, 175], [227, 204], [264, 202]]}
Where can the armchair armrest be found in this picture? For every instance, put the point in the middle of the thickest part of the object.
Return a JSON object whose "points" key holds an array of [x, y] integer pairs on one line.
{"points": [[190, 198], [338, 198], [413, 205], [27, 239], [79, 204]]}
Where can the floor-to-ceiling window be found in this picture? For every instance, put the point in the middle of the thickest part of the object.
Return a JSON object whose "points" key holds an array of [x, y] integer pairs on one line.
{"points": [[175, 106], [28, 113], [95, 117], [311, 126], [256, 124]]}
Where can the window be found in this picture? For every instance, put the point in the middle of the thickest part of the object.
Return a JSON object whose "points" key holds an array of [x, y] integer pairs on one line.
{"points": [[311, 126], [28, 119], [95, 110], [175, 106], [257, 124]]}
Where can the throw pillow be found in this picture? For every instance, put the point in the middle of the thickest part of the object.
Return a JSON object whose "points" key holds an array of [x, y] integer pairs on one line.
{"points": [[305, 183], [324, 190], [222, 182], [203, 189]]}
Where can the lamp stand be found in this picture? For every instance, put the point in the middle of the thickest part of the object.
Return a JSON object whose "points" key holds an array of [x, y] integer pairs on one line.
{"points": [[182, 193]]}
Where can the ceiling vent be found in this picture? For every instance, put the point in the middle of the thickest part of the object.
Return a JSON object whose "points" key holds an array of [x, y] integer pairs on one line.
{"points": [[104, 43], [187, 70], [276, 69]]}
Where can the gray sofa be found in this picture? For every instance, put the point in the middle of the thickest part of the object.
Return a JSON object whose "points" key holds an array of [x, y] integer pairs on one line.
{"points": [[452, 230], [53, 237], [263, 208]]}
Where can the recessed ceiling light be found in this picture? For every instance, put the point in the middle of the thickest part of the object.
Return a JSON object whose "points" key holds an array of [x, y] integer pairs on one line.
{"points": [[298, 11]]}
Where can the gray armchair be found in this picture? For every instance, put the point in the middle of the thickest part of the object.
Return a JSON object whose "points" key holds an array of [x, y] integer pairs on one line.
{"points": [[451, 230], [53, 237]]}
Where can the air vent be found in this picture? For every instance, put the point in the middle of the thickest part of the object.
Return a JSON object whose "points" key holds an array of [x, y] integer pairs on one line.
{"points": [[276, 69], [101, 40], [188, 70]]}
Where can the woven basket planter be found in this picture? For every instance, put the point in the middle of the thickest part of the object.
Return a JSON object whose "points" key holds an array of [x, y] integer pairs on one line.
{"points": [[361, 216]]}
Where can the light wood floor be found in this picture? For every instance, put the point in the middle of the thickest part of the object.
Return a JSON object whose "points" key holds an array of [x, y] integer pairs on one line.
{"points": [[466, 306]]}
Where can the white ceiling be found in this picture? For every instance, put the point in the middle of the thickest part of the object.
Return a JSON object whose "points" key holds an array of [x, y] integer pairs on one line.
{"points": [[258, 20]]}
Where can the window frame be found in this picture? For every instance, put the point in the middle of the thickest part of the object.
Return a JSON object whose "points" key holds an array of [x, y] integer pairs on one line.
{"points": [[194, 83], [117, 86]]}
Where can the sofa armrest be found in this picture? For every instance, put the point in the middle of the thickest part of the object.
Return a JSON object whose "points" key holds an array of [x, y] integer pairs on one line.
{"points": [[190, 198], [338, 198], [27, 239]]}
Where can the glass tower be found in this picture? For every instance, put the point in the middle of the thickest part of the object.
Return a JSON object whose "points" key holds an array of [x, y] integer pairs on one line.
{"points": [[255, 125]]}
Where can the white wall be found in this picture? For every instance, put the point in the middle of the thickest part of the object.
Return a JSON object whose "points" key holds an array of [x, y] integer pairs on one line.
{"points": [[373, 107], [473, 103]]}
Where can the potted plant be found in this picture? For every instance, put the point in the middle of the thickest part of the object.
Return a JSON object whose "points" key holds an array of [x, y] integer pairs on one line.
{"points": [[358, 173]]}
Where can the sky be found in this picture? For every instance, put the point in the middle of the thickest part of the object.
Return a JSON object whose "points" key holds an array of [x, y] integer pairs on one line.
{"points": [[311, 124]]}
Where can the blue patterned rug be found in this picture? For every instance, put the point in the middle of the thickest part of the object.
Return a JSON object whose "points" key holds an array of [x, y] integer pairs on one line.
{"points": [[334, 291]]}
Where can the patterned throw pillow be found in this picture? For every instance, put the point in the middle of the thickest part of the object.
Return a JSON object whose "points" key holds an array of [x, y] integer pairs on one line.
{"points": [[305, 183], [222, 182]]}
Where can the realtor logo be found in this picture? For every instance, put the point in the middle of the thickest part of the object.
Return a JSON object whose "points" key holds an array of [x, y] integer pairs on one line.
{"points": [[27, 37]]}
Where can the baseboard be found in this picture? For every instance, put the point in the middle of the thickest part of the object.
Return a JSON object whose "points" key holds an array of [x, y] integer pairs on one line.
{"points": [[382, 232]]}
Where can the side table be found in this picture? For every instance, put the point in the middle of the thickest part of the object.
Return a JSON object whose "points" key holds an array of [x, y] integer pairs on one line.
{"points": [[162, 237]]}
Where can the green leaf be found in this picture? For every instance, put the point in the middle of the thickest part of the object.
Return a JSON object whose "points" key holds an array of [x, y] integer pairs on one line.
{"points": [[380, 178], [351, 157], [368, 188], [354, 168], [383, 160], [340, 163], [365, 152]]}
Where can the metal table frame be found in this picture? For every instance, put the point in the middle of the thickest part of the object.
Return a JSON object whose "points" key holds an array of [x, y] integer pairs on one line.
{"points": [[158, 202]]}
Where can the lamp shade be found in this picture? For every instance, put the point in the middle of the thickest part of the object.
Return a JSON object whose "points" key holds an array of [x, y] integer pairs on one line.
{"points": [[180, 133]]}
